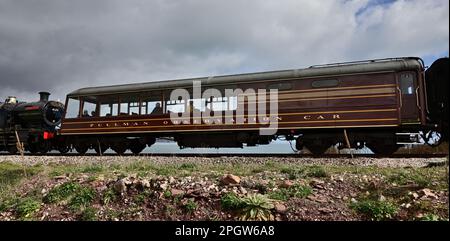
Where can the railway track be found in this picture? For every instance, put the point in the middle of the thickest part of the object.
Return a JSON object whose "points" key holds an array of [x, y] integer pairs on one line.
{"points": [[278, 155]]}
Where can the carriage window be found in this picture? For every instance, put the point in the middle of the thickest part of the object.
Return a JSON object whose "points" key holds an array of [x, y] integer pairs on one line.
{"points": [[109, 106], [151, 103], [129, 105], [89, 109], [73, 108], [176, 106], [407, 83], [280, 86], [134, 108], [325, 83]]}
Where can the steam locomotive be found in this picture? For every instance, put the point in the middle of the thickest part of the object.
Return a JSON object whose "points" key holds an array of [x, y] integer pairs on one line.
{"points": [[381, 104], [33, 124]]}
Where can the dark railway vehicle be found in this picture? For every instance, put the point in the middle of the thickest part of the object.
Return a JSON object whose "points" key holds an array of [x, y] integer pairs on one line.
{"points": [[381, 104], [33, 124]]}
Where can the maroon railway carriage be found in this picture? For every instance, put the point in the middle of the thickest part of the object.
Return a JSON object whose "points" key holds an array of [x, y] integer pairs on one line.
{"points": [[377, 103]]}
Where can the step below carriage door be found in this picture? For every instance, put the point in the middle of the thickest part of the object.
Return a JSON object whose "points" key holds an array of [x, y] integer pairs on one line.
{"points": [[409, 106]]}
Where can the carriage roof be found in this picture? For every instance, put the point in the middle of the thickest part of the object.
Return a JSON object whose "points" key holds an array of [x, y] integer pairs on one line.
{"points": [[377, 65]]}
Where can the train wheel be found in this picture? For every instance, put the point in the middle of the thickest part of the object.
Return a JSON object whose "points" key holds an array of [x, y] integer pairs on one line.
{"points": [[383, 149], [33, 149], [81, 149], [12, 150], [44, 147], [136, 147], [63, 149], [317, 149], [100, 149], [120, 148]]}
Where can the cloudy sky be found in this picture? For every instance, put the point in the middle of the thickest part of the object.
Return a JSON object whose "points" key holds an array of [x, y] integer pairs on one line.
{"points": [[62, 45]]}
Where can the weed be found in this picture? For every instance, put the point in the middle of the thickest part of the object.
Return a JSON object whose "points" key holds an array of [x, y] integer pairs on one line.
{"points": [[89, 214], [231, 201], [294, 191], [190, 206], [109, 195], [252, 207], [25, 208], [61, 192], [375, 210], [188, 166], [83, 197], [167, 194], [256, 207], [78, 196], [317, 171], [92, 169]]}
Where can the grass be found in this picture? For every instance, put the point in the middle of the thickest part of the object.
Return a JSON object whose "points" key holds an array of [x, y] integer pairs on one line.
{"points": [[285, 194], [76, 195], [375, 210], [26, 207], [89, 214], [190, 206]]}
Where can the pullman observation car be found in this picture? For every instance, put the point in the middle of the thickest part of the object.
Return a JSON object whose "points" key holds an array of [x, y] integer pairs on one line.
{"points": [[380, 104]]}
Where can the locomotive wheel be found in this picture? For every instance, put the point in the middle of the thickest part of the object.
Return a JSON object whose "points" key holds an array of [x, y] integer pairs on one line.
{"points": [[383, 149], [43, 147], [81, 149], [317, 149], [33, 149]]}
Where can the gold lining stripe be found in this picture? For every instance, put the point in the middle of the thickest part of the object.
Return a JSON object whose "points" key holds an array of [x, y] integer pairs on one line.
{"points": [[281, 114], [199, 125], [325, 98], [281, 128], [338, 93], [332, 89]]}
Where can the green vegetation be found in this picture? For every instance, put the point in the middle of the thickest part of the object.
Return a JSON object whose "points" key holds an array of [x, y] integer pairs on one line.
{"points": [[252, 207], [89, 214], [230, 201], [294, 191], [76, 195], [26, 207], [190, 206], [109, 195], [375, 210]]}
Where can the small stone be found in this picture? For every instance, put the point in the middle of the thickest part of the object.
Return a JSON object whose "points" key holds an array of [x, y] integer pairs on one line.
{"points": [[353, 200], [325, 210], [243, 191], [426, 192], [163, 186], [280, 208], [177, 192], [60, 177], [120, 186], [408, 205], [230, 179], [171, 180], [382, 198], [415, 195], [144, 183], [316, 182], [286, 184]]}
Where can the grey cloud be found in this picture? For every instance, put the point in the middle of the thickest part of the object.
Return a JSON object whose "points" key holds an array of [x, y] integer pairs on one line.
{"points": [[62, 45]]}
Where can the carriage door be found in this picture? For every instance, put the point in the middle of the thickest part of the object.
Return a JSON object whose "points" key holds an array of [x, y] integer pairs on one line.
{"points": [[409, 106]]}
